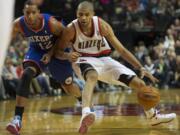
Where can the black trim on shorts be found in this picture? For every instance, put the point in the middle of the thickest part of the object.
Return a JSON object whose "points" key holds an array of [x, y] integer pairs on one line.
{"points": [[126, 78], [85, 67]]}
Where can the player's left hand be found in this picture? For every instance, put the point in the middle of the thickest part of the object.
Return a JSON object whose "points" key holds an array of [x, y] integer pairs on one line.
{"points": [[73, 56], [144, 72], [46, 58]]}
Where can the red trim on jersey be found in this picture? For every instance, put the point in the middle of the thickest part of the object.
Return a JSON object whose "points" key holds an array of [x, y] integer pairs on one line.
{"points": [[105, 52], [74, 39], [42, 23], [99, 26], [21, 28], [92, 28]]}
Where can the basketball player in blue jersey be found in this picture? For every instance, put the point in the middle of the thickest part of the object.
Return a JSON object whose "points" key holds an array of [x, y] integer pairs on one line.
{"points": [[42, 31]]}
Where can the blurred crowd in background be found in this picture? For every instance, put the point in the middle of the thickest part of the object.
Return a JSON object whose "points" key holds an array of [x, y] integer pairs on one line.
{"points": [[150, 29]]}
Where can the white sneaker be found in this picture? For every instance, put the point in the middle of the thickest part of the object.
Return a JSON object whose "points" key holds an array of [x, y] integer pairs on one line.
{"points": [[14, 126], [87, 120], [157, 118]]}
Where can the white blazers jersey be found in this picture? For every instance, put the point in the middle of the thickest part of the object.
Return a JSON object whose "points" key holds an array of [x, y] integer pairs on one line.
{"points": [[96, 45]]}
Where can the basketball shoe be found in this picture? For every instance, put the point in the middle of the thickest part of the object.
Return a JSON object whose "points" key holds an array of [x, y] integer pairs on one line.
{"points": [[87, 120], [158, 118], [14, 126]]}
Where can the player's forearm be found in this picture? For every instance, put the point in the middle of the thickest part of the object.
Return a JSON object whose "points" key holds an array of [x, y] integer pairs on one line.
{"points": [[130, 58]]}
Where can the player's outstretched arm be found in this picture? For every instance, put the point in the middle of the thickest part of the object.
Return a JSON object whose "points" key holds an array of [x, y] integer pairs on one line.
{"points": [[107, 32]]}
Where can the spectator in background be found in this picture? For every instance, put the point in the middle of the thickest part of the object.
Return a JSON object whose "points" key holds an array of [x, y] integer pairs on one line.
{"points": [[169, 39], [141, 51], [149, 66], [171, 61], [2, 90], [176, 82], [42, 80], [10, 78], [177, 47], [161, 72]]}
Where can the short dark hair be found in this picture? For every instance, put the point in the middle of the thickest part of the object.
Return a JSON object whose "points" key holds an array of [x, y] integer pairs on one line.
{"points": [[30, 2], [86, 4]]}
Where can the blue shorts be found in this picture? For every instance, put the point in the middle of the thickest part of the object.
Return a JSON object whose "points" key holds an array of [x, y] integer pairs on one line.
{"points": [[61, 70], [34, 56]]}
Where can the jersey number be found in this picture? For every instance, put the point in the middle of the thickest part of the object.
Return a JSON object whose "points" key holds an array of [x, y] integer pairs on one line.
{"points": [[46, 46]]}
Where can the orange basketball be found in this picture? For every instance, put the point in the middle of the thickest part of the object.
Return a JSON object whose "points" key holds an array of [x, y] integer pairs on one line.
{"points": [[148, 97]]}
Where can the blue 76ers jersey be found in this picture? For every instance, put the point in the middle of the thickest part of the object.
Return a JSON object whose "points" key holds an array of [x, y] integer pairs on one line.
{"points": [[41, 39]]}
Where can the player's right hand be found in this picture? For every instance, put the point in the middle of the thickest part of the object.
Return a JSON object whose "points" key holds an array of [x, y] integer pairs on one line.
{"points": [[73, 56], [144, 72], [46, 58]]}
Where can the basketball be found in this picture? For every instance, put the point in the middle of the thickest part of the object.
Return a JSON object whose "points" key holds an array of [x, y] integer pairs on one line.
{"points": [[148, 97]]}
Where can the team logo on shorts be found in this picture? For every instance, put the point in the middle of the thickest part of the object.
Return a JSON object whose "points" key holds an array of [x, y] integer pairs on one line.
{"points": [[68, 80]]}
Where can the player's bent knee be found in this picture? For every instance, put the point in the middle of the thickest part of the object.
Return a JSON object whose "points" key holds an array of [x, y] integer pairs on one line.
{"points": [[148, 97], [92, 75], [24, 85]]}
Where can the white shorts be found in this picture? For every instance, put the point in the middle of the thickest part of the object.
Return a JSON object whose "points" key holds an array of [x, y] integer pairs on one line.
{"points": [[108, 69]]}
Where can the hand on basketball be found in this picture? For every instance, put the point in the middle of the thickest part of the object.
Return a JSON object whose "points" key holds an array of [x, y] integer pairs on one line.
{"points": [[144, 72], [46, 58], [73, 56]]}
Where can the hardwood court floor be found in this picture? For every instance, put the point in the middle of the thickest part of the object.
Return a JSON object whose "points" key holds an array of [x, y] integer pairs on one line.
{"points": [[118, 114]]}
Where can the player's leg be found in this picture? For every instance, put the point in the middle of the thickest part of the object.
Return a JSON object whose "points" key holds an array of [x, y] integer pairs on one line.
{"points": [[32, 67], [23, 91], [91, 77], [62, 72], [152, 114], [74, 88], [123, 74]]}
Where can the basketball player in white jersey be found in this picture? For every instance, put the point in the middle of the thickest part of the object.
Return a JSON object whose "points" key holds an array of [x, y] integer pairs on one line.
{"points": [[6, 14], [88, 33]]}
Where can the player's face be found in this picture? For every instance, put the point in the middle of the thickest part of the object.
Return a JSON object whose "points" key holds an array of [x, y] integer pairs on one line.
{"points": [[31, 13], [84, 16]]}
